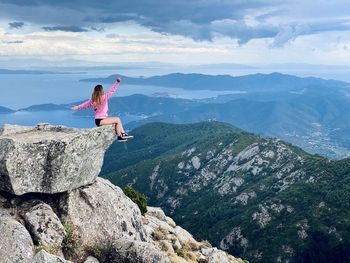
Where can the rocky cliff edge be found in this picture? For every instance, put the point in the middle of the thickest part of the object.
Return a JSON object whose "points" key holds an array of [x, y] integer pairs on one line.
{"points": [[54, 208]]}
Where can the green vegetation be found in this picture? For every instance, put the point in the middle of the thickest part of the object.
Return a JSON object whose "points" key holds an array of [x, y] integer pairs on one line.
{"points": [[153, 140], [71, 243], [137, 198], [96, 250], [49, 249], [269, 199]]}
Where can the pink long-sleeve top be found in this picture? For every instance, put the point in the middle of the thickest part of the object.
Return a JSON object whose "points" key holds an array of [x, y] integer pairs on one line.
{"points": [[101, 112]]}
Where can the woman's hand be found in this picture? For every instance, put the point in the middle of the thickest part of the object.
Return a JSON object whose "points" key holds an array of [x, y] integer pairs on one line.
{"points": [[119, 80], [74, 108]]}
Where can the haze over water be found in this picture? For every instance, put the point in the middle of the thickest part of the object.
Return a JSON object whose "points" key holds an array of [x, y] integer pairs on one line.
{"points": [[23, 90]]}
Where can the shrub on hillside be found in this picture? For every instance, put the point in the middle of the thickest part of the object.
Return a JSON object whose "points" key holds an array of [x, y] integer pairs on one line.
{"points": [[137, 198]]}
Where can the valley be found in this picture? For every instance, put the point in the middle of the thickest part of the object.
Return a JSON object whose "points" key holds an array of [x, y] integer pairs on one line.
{"points": [[260, 199]]}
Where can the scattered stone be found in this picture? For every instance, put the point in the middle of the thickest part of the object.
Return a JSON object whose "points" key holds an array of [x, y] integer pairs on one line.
{"points": [[244, 197], [235, 237], [263, 217], [196, 162], [181, 165], [303, 227]]}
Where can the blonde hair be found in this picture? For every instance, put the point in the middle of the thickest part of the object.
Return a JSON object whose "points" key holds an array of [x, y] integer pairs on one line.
{"points": [[97, 95]]}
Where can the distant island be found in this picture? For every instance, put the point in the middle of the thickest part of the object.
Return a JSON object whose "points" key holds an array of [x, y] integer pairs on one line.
{"points": [[46, 107], [5, 110], [254, 82], [309, 112]]}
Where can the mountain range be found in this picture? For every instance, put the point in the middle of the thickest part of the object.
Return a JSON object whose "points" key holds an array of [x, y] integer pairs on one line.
{"points": [[5, 110], [259, 198], [319, 124], [254, 82], [309, 112]]}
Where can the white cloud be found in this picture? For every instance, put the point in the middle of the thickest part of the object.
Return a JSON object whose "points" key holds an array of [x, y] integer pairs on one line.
{"points": [[143, 46], [204, 32]]}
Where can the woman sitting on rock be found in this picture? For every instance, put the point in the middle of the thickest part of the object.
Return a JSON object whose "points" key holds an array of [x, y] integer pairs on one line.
{"points": [[99, 102]]}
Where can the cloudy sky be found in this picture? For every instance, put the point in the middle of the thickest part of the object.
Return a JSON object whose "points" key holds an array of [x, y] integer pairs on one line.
{"points": [[181, 31]]}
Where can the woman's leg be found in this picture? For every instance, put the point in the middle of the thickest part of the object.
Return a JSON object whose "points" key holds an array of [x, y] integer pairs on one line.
{"points": [[116, 121]]}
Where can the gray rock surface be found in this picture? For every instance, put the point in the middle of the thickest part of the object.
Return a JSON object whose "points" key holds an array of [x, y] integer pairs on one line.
{"points": [[101, 213], [43, 257], [16, 244], [213, 255], [178, 244], [104, 216], [50, 159], [91, 259], [183, 235], [156, 212], [44, 225], [62, 164], [136, 252]]}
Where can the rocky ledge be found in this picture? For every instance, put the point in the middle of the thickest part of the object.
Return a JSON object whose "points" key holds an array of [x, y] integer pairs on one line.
{"points": [[53, 208], [50, 159]]}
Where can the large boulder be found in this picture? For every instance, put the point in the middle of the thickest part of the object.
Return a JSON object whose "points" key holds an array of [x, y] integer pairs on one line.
{"points": [[44, 225], [102, 213], [16, 244], [104, 217], [50, 159]]}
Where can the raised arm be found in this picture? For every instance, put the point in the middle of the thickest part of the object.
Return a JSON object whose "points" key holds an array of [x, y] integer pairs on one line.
{"points": [[112, 89], [84, 105]]}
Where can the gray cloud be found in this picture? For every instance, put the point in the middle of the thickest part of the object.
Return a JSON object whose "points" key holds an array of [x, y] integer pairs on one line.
{"points": [[242, 31], [197, 19], [292, 31], [13, 42], [98, 29], [16, 25], [64, 28]]}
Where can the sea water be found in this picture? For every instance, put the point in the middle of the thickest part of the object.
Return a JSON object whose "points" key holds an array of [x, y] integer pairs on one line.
{"points": [[19, 91], [66, 118], [23, 90]]}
